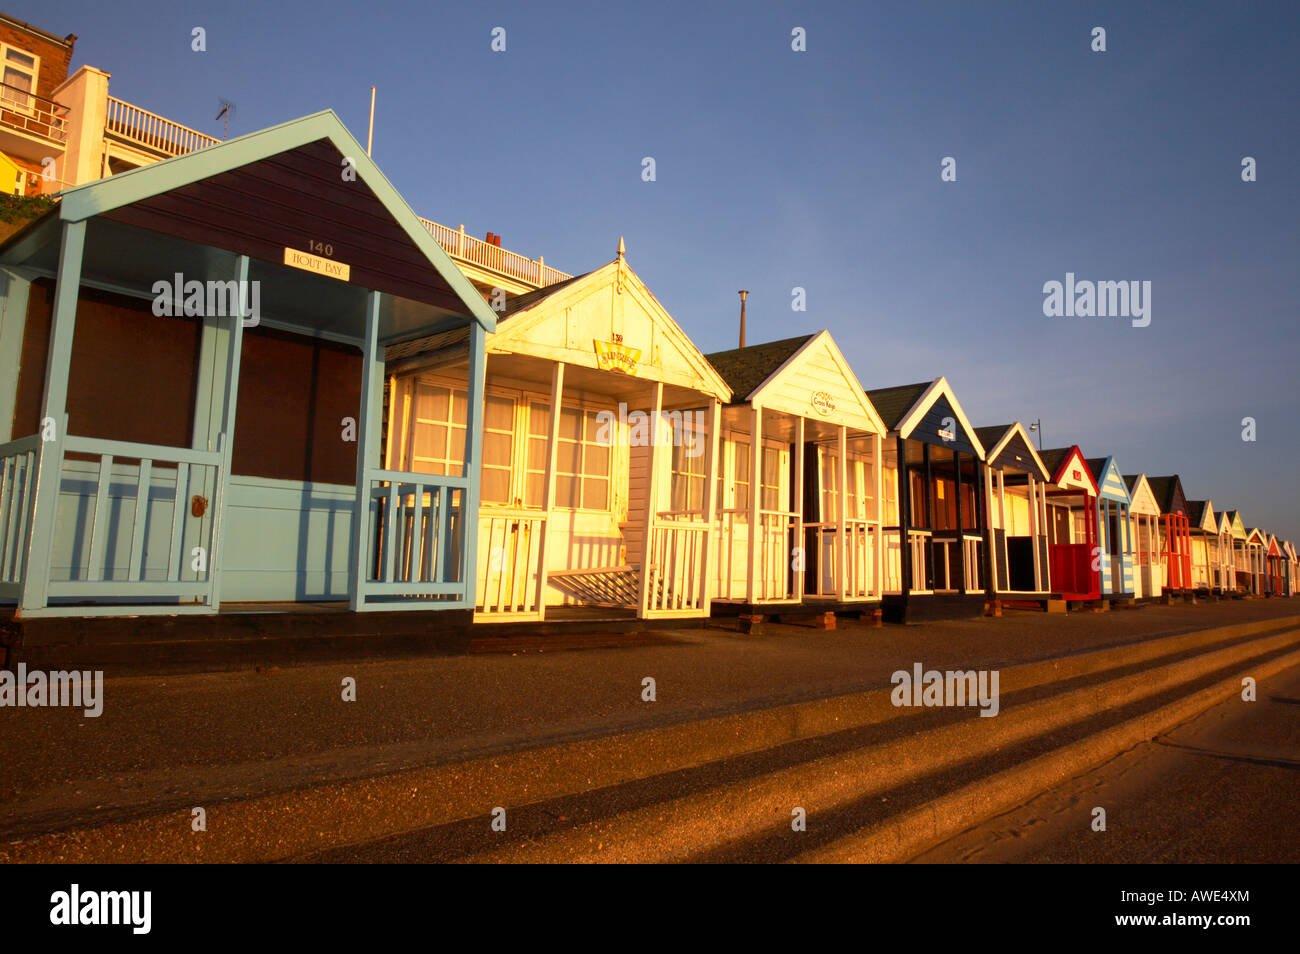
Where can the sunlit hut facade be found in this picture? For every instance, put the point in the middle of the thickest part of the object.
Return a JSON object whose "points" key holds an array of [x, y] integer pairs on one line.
{"points": [[1175, 549], [1144, 526], [581, 506], [1072, 525], [1203, 538], [1113, 530], [1275, 561], [936, 526], [1015, 488], [1256, 561], [799, 428], [1225, 574], [195, 405], [1241, 575]]}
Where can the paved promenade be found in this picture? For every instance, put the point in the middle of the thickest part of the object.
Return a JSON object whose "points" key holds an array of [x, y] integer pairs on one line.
{"points": [[194, 739]]}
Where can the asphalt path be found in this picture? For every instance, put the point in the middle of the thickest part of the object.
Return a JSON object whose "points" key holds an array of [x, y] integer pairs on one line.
{"points": [[164, 741]]}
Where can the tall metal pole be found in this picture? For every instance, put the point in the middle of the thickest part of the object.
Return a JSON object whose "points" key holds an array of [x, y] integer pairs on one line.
{"points": [[744, 293], [370, 137]]}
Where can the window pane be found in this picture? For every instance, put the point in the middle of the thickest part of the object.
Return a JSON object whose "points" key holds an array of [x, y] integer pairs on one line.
{"points": [[496, 485], [458, 406], [566, 489], [430, 403], [539, 420], [19, 57], [536, 454], [597, 461], [599, 428], [742, 463], [456, 442], [533, 490], [430, 441], [497, 448], [568, 457], [499, 414], [595, 494], [570, 423]]}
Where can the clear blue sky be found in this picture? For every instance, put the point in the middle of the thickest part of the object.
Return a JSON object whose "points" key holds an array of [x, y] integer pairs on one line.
{"points": [[820, 169]]}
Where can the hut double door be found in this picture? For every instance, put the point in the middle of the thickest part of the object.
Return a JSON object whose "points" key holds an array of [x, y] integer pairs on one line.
{"points": [[732, 531]]}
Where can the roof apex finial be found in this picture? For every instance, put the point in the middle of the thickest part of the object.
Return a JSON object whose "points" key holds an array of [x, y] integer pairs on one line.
{"points": [[622, 248]]}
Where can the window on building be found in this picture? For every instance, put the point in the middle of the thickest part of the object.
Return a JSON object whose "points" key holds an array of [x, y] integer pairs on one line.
{"points": [[583, 456], [20, 69], [688, 465], [437, 433]]}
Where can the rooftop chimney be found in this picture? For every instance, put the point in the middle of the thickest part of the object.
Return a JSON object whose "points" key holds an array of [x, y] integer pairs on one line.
{"points": [[744, 293]]}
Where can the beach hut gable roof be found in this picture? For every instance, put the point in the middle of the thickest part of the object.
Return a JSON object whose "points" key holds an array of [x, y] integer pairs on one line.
{"points": [[305, 186], [1069, 469], [806, 376], [607, 320], [923, 419], [1008, 445], [1110, 482], [1139, 491]]}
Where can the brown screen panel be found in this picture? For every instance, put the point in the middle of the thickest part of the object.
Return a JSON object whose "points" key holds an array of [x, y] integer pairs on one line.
{"points": [[294, 393], [132, 375]]}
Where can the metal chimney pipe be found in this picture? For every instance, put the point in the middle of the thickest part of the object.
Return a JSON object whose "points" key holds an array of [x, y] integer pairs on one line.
{"points": [[744, 293]]}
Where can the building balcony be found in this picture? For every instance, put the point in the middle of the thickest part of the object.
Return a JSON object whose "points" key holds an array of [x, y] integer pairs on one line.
{"points": [[489, 264], [31, 127], [161, 138]]}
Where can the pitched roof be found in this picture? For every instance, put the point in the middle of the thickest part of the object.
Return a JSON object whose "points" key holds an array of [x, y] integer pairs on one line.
{"points": [[989, 436], [744, 369], [394, 253], [1163, 489], [1130, 481], [1195, 511], [1097, 465], [1054, 457], [892, 404]]}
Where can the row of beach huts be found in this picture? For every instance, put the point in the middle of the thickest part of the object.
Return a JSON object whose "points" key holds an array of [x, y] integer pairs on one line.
{"points": [[239, 381]]}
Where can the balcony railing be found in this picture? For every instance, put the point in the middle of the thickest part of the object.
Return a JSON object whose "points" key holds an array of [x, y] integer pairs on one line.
{"points": [[29, 113], [143, 128], [488, 256]]}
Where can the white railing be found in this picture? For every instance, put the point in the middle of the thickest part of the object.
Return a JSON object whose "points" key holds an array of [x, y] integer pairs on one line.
{"points": [[496, 259], [774, 555], [412, 540], [971, 562], [18, 462], [893, 556], [151, 551], [509, 558], [860, 565], [143, 128], [918, 542], [674, 583]]}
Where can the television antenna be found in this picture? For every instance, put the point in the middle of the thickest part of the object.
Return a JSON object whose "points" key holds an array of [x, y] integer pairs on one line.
{"points": [[227, 110]]}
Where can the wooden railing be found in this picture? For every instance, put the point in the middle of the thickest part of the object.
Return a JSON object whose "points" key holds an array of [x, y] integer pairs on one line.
{"points": [[893, 557], [509, 558], [918, 542], [157, 554], [860, 564], [18, 463], [143, 128], [972, 562], [499, 260], [674, 583], [413, 536], [29, 113]]}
